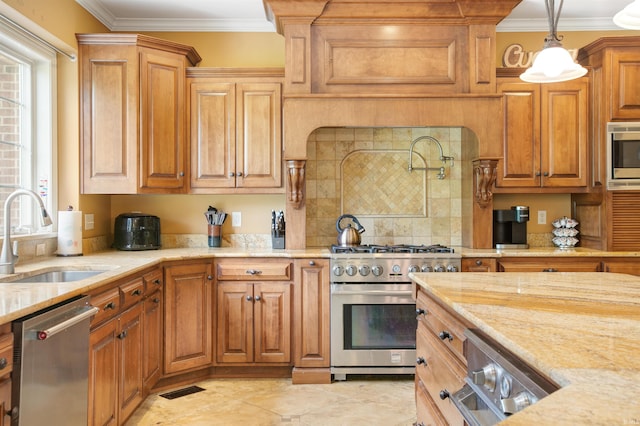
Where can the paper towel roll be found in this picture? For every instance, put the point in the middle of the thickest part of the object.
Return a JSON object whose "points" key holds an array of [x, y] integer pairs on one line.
{"points": [[69, 233]]}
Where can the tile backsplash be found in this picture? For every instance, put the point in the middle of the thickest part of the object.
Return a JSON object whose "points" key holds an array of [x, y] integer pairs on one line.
{"points": [[364, 172]]}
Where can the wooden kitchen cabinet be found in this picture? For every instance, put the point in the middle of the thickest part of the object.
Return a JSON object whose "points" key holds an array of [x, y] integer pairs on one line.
{"points": [[153, 328], [545, 143], [116, 353], [254, 310], [188, 340], [235, 131], [549, 264], [132, 114], [6, 367], [622, 265], [440, 364], [311, 324], [478, 264]]}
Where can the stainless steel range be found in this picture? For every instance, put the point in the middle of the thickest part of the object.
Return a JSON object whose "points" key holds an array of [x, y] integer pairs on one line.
{"points": [[373, 314], [498, 383]]}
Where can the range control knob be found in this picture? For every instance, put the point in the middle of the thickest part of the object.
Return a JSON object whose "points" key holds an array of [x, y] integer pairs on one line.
{"points": [[338, 270], [486, 376], [364, 270], [413, 268], [439, 268], [520, 401], [452, 268], [376, 270], [426, 268], [351, 270]]}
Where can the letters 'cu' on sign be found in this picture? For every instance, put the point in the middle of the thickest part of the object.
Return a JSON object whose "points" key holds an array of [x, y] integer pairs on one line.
{"points": [[516, 57]]}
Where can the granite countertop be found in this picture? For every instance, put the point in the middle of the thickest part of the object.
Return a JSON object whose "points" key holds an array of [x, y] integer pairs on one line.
{"points": [[582, 330], [20, 299]]}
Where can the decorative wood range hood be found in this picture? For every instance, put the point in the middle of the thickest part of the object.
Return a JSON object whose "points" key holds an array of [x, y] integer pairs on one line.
{"points": [[390, 63]]}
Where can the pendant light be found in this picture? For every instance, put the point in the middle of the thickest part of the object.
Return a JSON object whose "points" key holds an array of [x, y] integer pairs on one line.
{"points": [[554, 63], [629, 17]]}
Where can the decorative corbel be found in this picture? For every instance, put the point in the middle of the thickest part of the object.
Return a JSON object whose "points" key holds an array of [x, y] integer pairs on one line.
{"points": [[296, 182], [485, 171]]}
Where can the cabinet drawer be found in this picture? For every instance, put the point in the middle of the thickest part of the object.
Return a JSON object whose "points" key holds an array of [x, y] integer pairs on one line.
{"points": [[6, 354], [441, 372], [426, 409], [132, 292], [239, 270], [152, 281], [448, 330], [109, 304]]}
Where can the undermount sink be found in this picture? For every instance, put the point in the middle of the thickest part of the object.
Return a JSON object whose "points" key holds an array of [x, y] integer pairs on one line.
{"points": [[61, 276]]}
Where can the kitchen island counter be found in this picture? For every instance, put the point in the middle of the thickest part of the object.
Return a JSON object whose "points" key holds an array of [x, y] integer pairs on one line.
{"points": [[582, 330]]}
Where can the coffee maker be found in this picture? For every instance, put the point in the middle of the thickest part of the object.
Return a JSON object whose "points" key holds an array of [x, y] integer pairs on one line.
{"points": [[510, 228]]}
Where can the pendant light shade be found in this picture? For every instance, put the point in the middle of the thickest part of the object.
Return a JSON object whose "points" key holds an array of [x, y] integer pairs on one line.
{"points": [[629, 17], [554, 63]]}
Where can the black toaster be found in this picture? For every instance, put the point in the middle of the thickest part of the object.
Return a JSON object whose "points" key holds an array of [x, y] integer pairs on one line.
{"points": [[136, 231]]}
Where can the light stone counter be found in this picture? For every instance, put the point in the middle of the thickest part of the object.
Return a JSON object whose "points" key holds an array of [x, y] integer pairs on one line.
{"points": [[20, 299], [580, 329], [544, 252]]}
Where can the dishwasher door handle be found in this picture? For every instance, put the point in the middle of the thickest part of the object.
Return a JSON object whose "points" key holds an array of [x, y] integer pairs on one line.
{"points": [[55, 329]]}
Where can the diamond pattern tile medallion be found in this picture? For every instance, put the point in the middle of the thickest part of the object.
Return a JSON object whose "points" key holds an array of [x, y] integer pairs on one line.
{"points": [[377, 183]]}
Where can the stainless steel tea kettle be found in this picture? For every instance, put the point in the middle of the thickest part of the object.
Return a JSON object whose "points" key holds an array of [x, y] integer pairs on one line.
{"points": [[349, 236]]}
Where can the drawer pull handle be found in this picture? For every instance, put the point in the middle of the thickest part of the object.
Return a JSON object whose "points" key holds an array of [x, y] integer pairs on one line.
{"points": [[444, 394], [253, 272], [421, 361], [109, 305], [136, 292], [3, 363], [445, 335]]}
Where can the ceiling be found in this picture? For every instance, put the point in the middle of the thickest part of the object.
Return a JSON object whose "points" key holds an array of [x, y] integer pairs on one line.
{"points": [[249, 15]]}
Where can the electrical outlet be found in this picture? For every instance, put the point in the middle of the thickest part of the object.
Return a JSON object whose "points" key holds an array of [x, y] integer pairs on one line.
{"points": [[236, 219], [542, 217], [88, 221]]}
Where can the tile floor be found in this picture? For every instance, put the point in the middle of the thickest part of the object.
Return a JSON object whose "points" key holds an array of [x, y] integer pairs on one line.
{"points": [[358, 401]]}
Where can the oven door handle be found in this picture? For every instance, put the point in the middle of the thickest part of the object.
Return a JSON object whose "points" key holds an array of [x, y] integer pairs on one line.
{"points": [[372, 292]]}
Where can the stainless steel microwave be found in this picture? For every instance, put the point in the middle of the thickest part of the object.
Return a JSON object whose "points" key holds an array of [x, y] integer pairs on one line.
{"points": [[623, 155]]}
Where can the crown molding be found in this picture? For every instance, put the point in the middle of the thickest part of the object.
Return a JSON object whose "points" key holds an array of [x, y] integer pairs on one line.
{"points": [[542, 25]]}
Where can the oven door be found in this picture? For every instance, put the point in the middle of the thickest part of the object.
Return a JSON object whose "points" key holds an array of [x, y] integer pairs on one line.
{"points": [[373, 329]]}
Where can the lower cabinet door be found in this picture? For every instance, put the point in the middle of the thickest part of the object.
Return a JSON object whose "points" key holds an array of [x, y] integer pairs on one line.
{"points": [[427, 412], [130, 375], [152, 340], [103, 375]]}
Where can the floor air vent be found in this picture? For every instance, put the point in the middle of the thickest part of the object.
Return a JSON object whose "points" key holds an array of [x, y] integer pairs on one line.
{"points": [[181, 392]]}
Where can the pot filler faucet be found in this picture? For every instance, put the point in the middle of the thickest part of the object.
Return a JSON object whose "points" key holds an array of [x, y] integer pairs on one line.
{"points": [[9, 256], [441, 175]]}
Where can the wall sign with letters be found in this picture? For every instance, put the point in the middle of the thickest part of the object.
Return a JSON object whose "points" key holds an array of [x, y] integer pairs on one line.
{"points": [[516, 57]]}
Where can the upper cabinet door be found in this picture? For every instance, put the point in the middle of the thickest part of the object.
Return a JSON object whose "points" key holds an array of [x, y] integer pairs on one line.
{"points": [[162, 116], [259, 147], [212, 135], [520, 166], [564, 133], [625, 79]]}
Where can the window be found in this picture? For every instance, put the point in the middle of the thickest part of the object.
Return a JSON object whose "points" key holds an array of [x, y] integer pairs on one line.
{"points": [[27, 117]]}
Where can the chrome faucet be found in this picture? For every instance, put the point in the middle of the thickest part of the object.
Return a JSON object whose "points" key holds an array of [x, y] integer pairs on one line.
{"points": [[9, 258], [441, 175]]}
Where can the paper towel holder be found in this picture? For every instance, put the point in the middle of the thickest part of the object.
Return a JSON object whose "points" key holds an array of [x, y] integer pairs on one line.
{"points": [[69, 233]]}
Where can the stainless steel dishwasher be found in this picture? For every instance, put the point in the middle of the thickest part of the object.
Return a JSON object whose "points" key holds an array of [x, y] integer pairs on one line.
{"points": [[51, 365]]}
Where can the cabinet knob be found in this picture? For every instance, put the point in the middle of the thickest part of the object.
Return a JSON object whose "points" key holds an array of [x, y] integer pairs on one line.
{"points": [[545, 174], [537, 173], [156, 281], [155, 300], [445, 335], [181, 174], [239, 174], [312, 263], [478, 262], [3, 363], [253, 271], [249, 298], [444, 394], [122, 335], [257, 298], [550, 270], [109, 305], [231, 174], [421, 361], [136, 292], [209, 277], [420, 311]]}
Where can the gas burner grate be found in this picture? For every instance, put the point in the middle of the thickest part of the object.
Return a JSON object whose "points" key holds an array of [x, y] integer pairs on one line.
{"points": [[402, 248]]}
